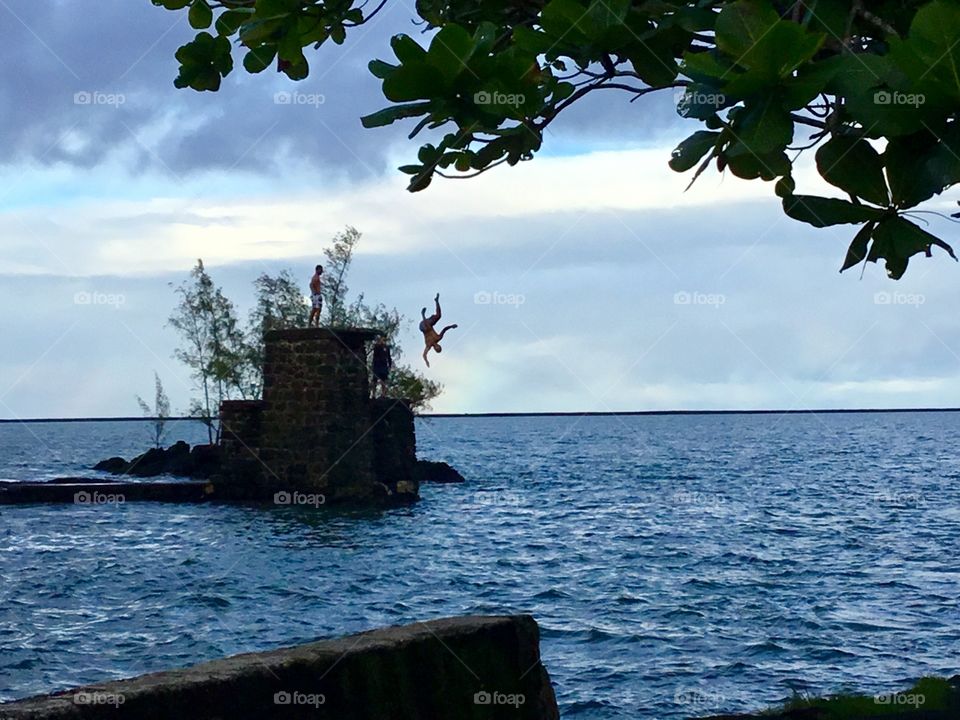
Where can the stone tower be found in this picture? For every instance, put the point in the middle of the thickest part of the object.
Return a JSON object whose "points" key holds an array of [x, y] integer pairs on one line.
{"points": [[316, 431]]}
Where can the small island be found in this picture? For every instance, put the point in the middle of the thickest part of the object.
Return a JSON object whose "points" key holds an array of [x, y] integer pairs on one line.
{"points": [[316, 437]]}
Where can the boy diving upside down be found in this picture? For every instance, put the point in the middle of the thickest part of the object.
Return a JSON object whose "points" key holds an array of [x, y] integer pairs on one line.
{"points": [[431, 337]]}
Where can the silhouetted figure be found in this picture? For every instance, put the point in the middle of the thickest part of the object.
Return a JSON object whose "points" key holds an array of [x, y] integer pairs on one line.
{"points": [[430, 336], [316, 297], [382, 364]]}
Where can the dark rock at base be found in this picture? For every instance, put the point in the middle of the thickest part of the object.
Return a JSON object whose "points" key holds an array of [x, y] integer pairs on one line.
{"points": [[115, 465], [205, 460], [150, 463], [437, 472], [202, 462]]}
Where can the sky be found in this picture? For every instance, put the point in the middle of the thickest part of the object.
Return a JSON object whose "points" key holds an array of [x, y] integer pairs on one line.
{"points": [[585, 280]]}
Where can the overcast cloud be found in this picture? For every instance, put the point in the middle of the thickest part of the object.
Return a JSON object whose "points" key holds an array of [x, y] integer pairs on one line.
{"points": [[586, 280]]}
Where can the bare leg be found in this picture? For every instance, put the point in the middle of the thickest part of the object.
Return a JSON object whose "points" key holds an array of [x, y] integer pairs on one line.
{"points": [[444, 331]]}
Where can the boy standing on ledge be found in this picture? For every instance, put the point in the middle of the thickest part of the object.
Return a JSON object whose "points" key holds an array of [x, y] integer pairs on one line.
{"points": [[382, 364], [316, 298]]}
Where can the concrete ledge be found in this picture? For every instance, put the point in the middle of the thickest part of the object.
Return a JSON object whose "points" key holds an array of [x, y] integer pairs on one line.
{"points": [[98, 493], [468, 668]]}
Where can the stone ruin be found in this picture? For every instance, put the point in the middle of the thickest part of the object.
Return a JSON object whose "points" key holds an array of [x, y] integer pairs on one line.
{"points": [[317, 431]]}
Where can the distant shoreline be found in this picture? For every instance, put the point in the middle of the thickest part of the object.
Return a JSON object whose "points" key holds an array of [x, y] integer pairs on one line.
{"points": [[624, 413]]}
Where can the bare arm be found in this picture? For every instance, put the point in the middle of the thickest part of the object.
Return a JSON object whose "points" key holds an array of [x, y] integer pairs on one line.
{"points": [[425, 351]]}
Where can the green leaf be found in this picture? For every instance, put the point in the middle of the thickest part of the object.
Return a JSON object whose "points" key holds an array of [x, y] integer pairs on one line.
{"points": [[750, 166], [230, 21], [743, 24], [900, 238], [566, 20], [406, 49], [857, 252], [764, 127], [854, 166], [413, 81], [394, 113], [381, 69], [652, 55], [259, 59], [933, 35], [450, 50], [824, 212], [200, 15], [689, 152]]}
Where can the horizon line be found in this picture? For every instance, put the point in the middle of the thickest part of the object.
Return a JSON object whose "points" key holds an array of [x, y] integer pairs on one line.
{"points": [[562, 413]]}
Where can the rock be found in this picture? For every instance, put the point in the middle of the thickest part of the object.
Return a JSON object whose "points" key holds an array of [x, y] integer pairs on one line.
{"points": [[152, 462], [178, 460], [115, 465], [437, 472], [205, 460], [202, 461]]}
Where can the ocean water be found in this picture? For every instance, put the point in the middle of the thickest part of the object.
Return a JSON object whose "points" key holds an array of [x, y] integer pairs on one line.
{"points": [[678, 566]]}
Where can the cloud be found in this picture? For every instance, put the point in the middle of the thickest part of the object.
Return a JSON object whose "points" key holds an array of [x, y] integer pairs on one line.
{"points": [[94, 85]]}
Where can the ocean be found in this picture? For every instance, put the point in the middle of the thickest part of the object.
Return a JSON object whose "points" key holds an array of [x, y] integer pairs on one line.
{"points": [[678, 565]]}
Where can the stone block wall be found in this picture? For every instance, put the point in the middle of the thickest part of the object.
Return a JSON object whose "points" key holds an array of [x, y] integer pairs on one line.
{"points": [[470, 668], [394, 442], [316, 430]]}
